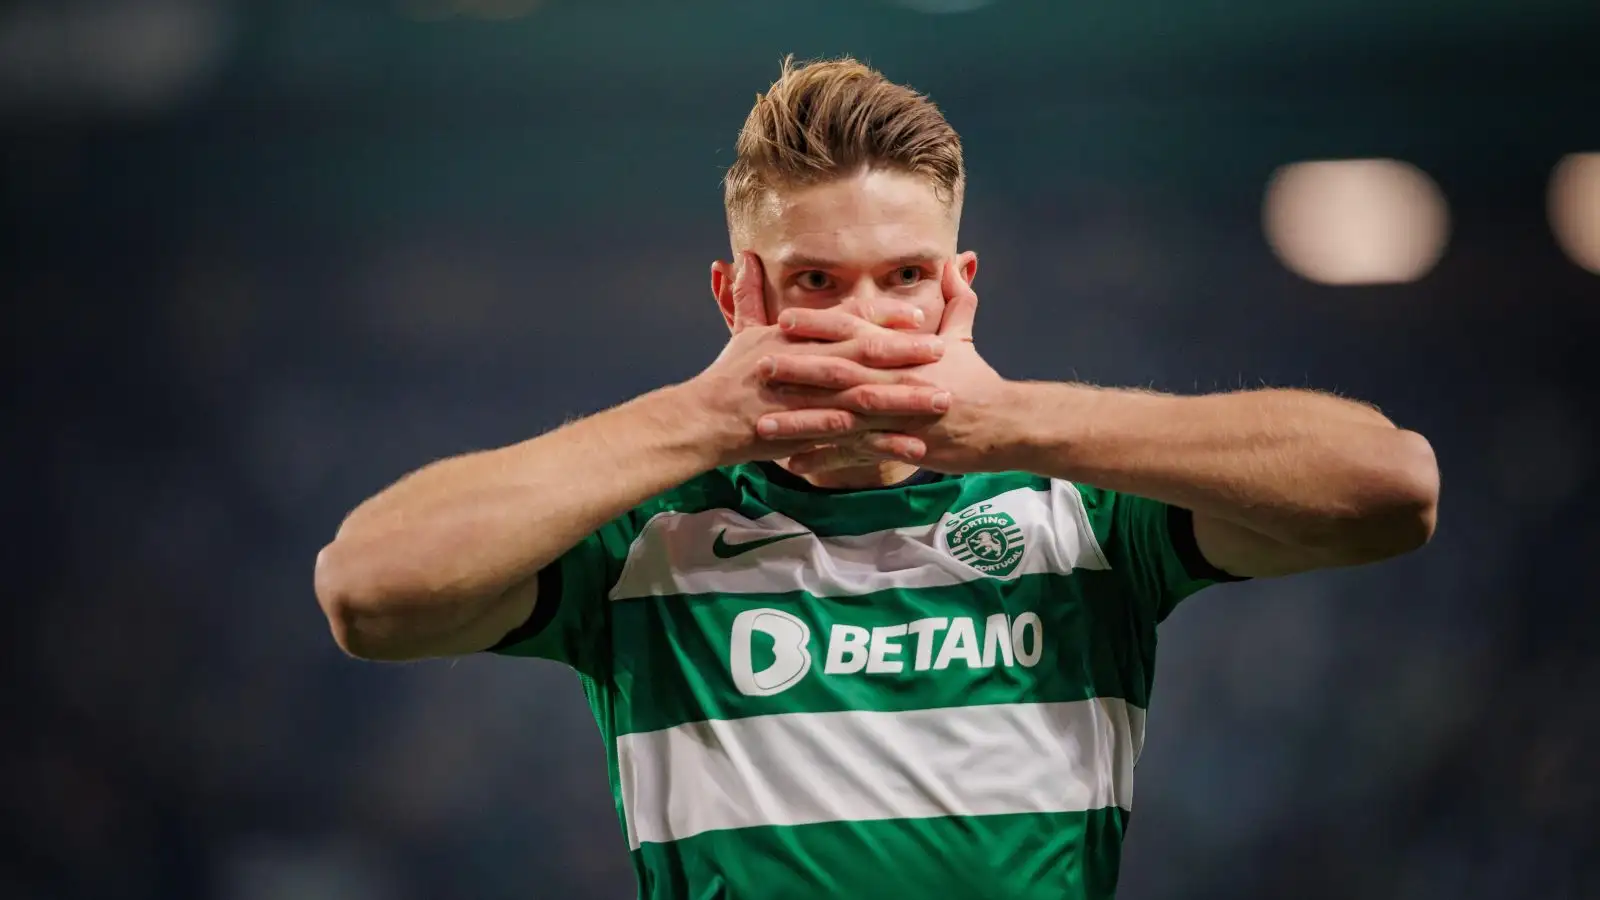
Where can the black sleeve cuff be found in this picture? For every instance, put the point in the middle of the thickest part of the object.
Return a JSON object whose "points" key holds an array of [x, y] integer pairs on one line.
{"points": [[1180, 528], [544, 609]]}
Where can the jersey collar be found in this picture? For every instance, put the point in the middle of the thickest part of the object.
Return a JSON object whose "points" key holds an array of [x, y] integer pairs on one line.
{"points": [[783, 478]]}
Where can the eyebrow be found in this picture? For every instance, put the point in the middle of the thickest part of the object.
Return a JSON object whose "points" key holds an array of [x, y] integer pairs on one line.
{"points": [[805, 261]]}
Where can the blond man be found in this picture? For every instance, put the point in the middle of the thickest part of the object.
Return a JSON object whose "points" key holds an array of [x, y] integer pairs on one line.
{"points": [[856, 615]]}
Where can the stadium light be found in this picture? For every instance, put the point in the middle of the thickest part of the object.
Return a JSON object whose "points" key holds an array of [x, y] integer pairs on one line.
{"points": [[1574, 203], [1356, 221]]}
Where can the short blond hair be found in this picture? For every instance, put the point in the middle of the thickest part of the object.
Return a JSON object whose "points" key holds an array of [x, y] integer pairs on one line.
{"points": [[831, 119]]}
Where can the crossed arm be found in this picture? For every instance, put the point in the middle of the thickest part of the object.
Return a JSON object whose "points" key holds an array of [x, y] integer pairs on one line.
{"points": [[1279, 481], [446, 561]]}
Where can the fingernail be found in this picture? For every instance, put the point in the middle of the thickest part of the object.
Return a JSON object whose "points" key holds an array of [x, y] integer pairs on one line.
{"points": [[769, 367], [767, 427], [787, 320], [941, 401], [918, 317], [934, 345]]}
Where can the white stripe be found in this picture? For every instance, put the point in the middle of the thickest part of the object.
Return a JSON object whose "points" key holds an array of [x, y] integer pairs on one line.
{"points": [[673, 552], [804, 768], [1066, 498]]}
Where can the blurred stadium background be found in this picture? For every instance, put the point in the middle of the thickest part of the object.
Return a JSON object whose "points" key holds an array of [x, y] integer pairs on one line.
{"points": [[262, 258]]}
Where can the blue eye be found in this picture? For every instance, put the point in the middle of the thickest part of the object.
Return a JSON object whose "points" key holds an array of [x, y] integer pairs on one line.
{"points": [[907, 275]]}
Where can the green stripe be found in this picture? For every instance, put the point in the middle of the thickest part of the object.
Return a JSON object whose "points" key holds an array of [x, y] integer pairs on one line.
{"points": [[1054, 856], [671, 663], [712, 490]]}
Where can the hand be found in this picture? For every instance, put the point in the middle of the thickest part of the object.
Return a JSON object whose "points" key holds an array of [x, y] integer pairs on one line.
{"points": [[962, 439], [864, 403]]}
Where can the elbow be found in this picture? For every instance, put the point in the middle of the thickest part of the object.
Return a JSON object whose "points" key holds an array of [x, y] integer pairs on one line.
{"points": [[336, 596], [347, 602], [1415, 473], [1399, 509]]}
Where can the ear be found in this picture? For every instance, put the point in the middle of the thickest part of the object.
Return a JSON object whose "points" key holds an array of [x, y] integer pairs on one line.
{"points": [[722, 289], [967, 265]]}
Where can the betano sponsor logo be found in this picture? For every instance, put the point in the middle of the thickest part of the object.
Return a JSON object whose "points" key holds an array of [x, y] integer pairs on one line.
{"points": [[929, 644], [791, 655]]}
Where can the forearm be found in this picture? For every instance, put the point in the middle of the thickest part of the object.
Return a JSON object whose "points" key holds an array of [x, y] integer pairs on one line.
{"points": [[1295, 465], [435, 553]]}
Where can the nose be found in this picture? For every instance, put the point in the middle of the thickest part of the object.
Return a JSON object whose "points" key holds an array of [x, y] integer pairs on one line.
{"points": [[869, 303]]}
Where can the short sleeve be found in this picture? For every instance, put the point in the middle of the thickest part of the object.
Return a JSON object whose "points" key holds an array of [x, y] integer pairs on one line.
{"points": [[570, 620], [1152, 544]]}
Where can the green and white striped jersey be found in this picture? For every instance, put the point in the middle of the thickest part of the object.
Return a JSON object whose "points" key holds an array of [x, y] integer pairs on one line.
{"points": [[935, 689]]}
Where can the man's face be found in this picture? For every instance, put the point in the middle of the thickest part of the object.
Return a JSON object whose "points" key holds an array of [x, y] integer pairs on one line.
{"points": [[849, 242]]}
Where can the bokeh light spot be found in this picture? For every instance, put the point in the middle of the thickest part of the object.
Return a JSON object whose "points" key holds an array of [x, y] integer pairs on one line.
{"points": [[1355, 222]]}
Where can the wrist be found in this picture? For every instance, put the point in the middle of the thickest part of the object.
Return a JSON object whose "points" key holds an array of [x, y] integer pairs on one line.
{"points": [[685, 425], [696, 409], [1037, 426]]}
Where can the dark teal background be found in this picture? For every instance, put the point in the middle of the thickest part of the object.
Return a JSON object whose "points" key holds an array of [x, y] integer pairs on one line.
{"points": [[260, 259]]}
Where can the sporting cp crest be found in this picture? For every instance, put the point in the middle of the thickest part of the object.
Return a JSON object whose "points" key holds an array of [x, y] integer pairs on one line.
{"points": [[986, 539]]}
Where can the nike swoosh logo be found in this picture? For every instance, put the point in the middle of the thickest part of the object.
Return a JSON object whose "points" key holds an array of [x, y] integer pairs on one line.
{"points": [[725, 550]]}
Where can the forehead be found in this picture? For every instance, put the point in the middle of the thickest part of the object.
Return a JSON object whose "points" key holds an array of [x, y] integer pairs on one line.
{"points": [[860, 220]]}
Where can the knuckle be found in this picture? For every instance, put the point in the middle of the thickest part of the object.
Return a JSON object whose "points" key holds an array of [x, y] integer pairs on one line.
{"points": [[837, 373]]}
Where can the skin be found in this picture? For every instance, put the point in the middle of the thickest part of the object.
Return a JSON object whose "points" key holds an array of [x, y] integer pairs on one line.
{"points": [[852, 361], [1280, 481], [870, 248], [445, 561]]}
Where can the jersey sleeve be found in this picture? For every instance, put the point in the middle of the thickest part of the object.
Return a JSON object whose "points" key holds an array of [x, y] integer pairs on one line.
{"points": [[570, 619], [1152, 545]]}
